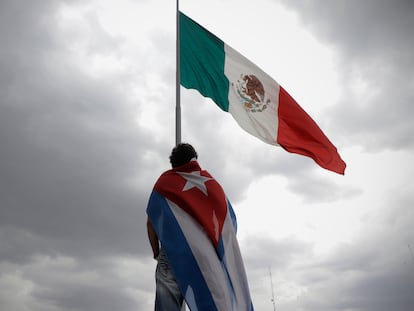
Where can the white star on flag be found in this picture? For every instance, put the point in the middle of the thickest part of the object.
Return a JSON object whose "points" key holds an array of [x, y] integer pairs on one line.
{"points": [[194, 179]]}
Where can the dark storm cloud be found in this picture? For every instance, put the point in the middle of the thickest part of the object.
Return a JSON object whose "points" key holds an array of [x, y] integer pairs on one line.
{"points": [[374, 41], [76, 168], [69, 144], [78, 287], [63, 283]]}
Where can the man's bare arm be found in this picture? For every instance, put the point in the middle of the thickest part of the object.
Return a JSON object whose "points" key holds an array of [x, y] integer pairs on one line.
{"points": [[153, 239]]}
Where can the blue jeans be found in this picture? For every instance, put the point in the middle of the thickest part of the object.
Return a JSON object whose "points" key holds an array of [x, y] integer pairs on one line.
{"points": [[168, 296]]}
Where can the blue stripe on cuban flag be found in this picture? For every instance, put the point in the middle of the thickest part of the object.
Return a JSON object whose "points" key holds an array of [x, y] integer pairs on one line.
{"points": [[216, 276]]}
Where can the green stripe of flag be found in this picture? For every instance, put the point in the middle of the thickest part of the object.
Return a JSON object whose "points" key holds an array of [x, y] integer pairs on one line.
{"points": [[203, 68]]}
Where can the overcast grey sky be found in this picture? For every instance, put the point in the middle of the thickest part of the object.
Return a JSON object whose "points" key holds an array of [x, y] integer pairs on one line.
{"points": [[87, 95]]}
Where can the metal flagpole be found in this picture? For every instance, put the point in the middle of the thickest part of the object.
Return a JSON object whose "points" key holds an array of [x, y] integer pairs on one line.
{"points": [[177, 90], [177, 81]]}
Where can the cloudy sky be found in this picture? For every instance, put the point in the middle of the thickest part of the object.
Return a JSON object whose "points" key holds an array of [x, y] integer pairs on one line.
{"points": [[87, 96]]}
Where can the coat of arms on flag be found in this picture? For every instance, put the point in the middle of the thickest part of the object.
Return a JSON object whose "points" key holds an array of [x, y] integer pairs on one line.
{"points": [[251, 92]]}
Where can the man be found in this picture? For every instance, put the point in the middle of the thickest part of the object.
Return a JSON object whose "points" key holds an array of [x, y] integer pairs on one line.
{"points": [[192, 232]]}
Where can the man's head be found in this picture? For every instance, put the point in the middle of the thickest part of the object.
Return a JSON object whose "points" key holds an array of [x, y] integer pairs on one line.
{"points": [[182, 154]]}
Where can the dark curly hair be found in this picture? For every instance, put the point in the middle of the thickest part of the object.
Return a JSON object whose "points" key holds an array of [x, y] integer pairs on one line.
{"points": [[182, 154]]}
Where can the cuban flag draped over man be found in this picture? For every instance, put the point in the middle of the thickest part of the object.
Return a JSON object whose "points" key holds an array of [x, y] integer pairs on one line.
{"points": [[202, 249]]}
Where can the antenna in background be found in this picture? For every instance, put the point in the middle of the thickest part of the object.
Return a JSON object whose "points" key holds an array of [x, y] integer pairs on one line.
{"points": [[273, 293]]}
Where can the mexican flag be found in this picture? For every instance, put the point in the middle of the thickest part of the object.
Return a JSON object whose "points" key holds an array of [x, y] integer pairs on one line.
{"points": [[257, 102]]}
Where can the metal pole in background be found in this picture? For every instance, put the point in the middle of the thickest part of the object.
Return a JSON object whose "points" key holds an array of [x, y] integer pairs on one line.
{"points": [[177, 81], [273, 293]]}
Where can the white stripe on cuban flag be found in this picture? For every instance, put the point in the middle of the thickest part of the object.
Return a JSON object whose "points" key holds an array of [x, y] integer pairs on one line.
{"points": [[233, 263]]}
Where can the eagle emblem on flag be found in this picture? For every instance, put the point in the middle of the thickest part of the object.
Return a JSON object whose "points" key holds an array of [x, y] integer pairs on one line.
{"points": [[251, 93]]}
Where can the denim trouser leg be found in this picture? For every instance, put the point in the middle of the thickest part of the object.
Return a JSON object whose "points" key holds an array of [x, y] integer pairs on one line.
{"points": [[168, 296]]}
